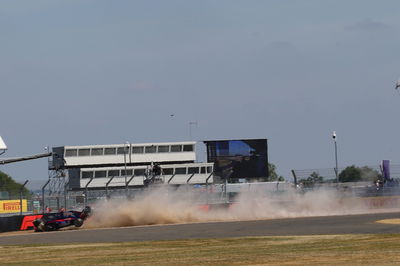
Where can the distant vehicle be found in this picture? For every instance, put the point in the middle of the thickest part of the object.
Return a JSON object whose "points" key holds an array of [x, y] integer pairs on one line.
{"points": [[55, 221]]}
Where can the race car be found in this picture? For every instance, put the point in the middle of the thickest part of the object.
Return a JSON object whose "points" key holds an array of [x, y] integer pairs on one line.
{"points": [[55, 221]]}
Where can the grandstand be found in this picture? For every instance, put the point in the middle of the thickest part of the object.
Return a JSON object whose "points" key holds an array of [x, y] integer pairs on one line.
{"points": [[121, 154], [174, 174], [130, 165]]}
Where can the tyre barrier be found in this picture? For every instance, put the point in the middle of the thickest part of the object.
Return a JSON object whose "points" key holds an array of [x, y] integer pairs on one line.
{"points": [[11, 223], [17, 222], [382, 202], [27, 221]]}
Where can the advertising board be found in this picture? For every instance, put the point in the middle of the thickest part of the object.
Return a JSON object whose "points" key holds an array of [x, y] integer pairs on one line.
{"points": [[12, 206]]}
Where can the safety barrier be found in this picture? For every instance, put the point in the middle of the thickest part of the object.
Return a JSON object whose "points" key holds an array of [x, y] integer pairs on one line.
{"points": [[10, 223], [24, 222], [17, 222], [382, 202], [27, 221]]}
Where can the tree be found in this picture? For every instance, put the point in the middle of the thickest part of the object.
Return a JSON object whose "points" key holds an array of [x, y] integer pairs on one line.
{"points": [[350, 174], [355, 174], [7, 184], [272, 175], [312, 180]]}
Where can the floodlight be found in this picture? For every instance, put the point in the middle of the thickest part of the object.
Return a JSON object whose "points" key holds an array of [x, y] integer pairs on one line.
{"points": [[3, 146]]}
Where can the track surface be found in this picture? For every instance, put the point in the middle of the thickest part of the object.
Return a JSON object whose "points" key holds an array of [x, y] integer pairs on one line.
{"points": [[346, 224]]}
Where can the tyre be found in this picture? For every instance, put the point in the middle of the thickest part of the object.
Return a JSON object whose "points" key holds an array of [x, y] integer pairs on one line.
{"points": [[86, 212], [36, 223], [42, 227], [78, 222]]}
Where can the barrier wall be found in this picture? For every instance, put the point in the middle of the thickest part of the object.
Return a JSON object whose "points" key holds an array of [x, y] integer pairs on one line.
{"points": [[382, 202], [24, 222], [17, 222], [10, 223], [27, 221]]}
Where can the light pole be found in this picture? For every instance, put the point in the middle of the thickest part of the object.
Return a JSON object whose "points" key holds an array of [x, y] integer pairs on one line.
{"points": [[43, 199], [126, 149], [336, 163], [20, 197]]}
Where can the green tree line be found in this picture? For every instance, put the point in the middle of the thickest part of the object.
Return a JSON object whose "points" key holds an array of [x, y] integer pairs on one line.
{"points": [[349, 174], [9, 189]]}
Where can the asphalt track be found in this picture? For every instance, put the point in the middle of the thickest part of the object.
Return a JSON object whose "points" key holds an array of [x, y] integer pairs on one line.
{"points": [[323, 225]]}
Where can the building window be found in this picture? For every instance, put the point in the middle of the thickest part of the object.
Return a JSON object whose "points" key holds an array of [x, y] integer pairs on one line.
{"points": [[209, 169], [110, 151], [140, 171], [176, 148], [193, 170], [163, 148], [100, 174], [188, 148], [83, 152], [71, 153], [87, 174], [139, 149], [150, 149], [123, 150], [203, 170], [96, 151], [168, 171], [129, 172], [112, 173], [180, 171]]}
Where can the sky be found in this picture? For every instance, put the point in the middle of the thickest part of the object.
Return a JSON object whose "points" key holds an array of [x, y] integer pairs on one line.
{"points": [[107, 72]]}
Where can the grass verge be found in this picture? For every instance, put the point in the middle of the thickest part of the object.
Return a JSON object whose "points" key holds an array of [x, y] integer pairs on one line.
{"points": [[296, 250]]}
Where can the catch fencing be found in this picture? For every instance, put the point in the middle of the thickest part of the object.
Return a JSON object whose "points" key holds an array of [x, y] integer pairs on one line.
{"points": [[329, 173], [200, 194], [366, 188]]}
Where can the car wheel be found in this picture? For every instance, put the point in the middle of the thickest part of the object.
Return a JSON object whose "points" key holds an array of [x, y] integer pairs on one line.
{"points": [[78, 222], [42, 226]]}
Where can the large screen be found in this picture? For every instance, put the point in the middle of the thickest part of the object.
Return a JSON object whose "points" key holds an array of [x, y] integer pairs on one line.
{"points": [[234, 159]]}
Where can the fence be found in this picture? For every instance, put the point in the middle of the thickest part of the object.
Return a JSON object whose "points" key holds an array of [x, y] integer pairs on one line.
{"points": [[201, 194], [365, 188], [212, 194], [330, 175]]}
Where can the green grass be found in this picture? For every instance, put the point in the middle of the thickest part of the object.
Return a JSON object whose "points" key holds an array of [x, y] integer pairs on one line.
{"points": [[298, 250]]}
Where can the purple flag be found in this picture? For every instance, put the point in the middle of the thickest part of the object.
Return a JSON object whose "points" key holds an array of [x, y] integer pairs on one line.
{"points": [[386, 169]]}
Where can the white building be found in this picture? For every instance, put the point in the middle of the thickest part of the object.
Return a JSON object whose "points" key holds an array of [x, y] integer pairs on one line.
{"points": [[130, 165]]}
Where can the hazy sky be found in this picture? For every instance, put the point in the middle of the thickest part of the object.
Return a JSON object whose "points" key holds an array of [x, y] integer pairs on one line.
{"points": [[105, 72]]}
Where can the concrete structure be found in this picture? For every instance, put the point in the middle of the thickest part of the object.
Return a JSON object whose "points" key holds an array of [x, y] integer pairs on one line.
{"points": [[129, 165]]}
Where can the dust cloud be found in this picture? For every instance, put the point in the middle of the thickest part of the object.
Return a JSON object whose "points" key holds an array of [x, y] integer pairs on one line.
{"points": [[166, 206]]}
